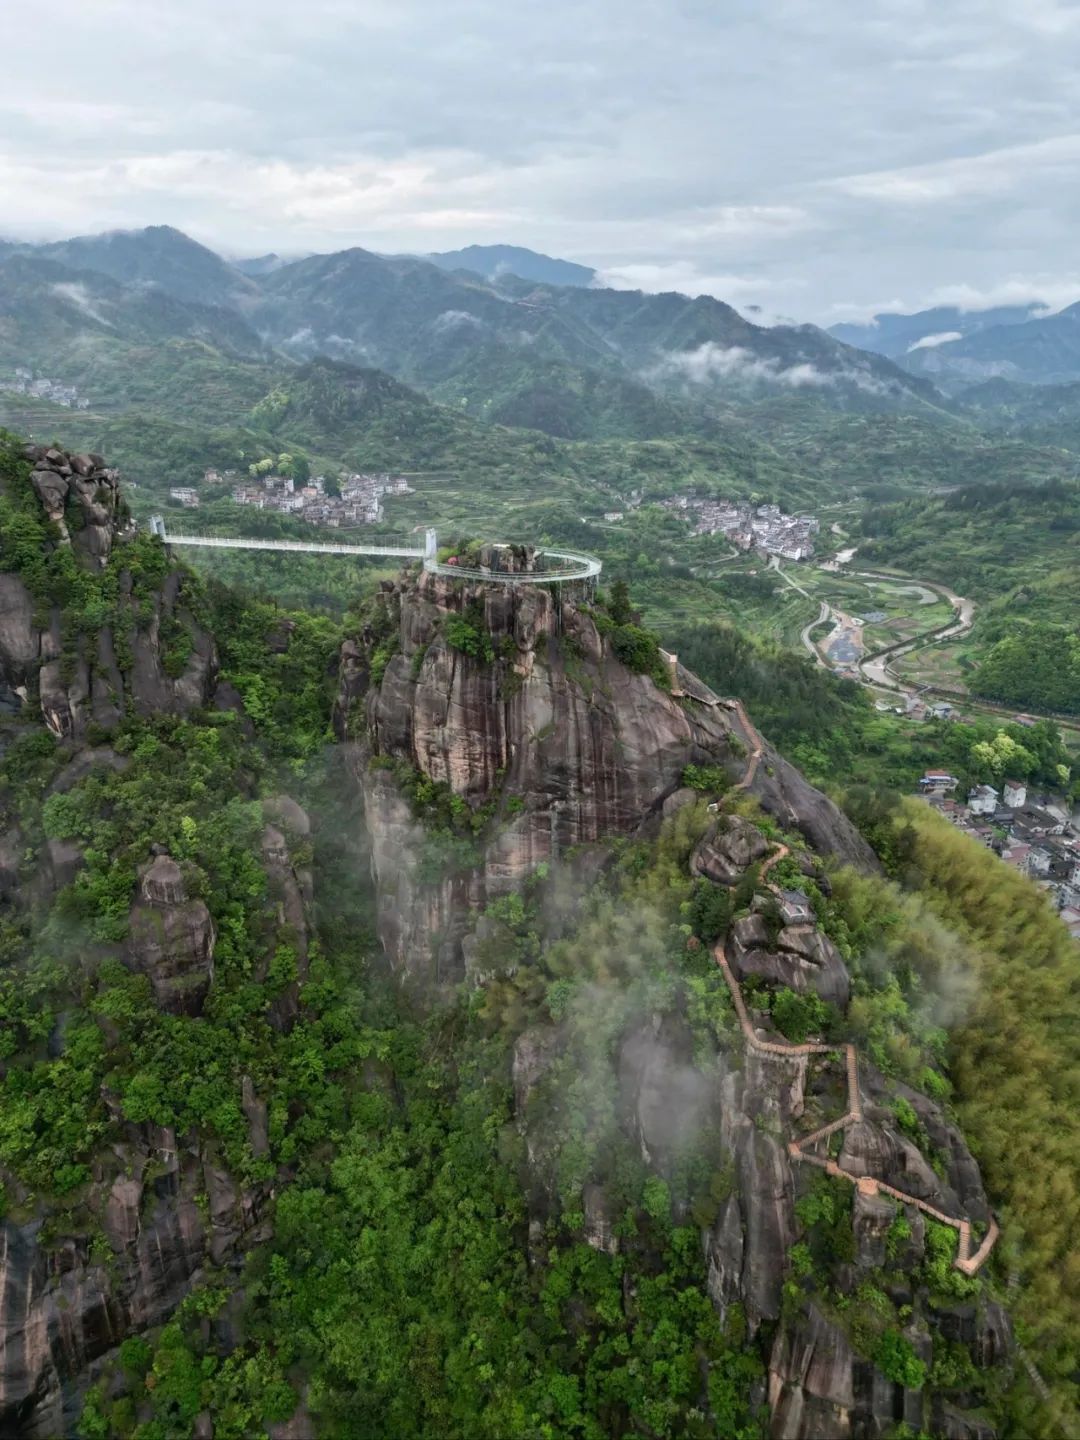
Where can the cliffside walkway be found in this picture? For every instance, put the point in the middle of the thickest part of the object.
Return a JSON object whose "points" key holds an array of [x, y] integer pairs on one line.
{"points": [[571, 566], [802, 1148]]}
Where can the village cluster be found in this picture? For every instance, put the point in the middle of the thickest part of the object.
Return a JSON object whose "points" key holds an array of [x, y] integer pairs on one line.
{"points": [[349, 500], [749, 527], [41, 388], [1035, 835]]}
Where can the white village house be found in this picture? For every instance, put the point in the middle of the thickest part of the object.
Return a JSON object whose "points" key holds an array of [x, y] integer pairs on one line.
{"points": [[983, 800]]}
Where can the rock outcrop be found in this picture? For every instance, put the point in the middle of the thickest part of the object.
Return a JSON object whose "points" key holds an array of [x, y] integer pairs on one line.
{"points": [[81, 497], [171, 938], [821, 1383], [74, 680], [165, 1210], [728, 849], [165, 1204], [798, 956], [543, 725]]}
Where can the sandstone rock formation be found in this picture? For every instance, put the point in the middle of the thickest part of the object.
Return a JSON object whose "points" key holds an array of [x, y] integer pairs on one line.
{"points": [[798, 956], [64, 1309], [75, 681], [729, 847], [81, 497], [167, 1206], [820, 1384], [564, 742], [172, 938]]}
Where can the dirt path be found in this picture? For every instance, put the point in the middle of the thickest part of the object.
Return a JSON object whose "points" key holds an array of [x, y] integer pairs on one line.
{"points": [[802, 1149]]}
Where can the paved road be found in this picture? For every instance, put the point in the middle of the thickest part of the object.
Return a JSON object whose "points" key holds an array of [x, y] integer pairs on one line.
{"points": [[805, 636], [875, 669]]}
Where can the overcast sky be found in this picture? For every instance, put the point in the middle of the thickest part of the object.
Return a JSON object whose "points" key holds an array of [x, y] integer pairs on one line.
{"points": [[820, 158]]}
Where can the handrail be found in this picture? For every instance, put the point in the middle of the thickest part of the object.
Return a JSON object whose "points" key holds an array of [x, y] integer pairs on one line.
{"points": [[581, 567], [316, 547], [799, 1149], [575, 566]]}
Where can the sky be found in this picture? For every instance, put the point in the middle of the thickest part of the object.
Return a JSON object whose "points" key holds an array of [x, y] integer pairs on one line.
{"points": [[820, 159]]}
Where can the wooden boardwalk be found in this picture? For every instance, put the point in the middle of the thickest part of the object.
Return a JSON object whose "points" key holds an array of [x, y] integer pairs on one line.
{"points": [[802, 1149]]}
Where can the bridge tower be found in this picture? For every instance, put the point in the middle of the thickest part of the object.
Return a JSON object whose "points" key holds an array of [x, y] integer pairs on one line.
{"points": [[431, 545], [157, 525]]}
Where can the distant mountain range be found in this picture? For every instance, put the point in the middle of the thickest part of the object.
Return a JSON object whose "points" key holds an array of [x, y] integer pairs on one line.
{"points": [[898, 335], [492, 262], [956, 349], [512, 335], [573, 360], [159, 256]]}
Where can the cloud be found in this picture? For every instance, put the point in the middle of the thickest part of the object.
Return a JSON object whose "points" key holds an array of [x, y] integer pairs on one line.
{"points": [[683, 276], [1049, 292], [711, 361], [932, 145], [930, 342], [80, 296], [993, 173], [456, 320]]}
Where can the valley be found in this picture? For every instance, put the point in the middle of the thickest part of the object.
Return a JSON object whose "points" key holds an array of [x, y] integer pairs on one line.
{"points": [[192, 375], [492, 1031], [539, 722]]}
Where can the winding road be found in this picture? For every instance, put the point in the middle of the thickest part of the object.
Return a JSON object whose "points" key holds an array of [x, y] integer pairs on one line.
{"points": [[874, 669]]}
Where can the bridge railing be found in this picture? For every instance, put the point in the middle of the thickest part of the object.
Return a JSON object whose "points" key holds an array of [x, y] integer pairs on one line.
{"points": [[574, 567], [571, 565]]}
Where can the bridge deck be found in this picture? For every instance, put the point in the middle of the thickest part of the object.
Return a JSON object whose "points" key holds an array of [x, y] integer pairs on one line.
{"points": [[315, 547], [574, 566]]}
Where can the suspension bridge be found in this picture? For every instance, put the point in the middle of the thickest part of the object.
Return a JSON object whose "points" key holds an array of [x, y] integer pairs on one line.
{"points": [[567, 564]]}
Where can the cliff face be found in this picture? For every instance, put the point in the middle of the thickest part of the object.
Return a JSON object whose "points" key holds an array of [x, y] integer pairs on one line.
{"points": [[818, 1333], [491, 732], [548, 729], [114, 1256], [160, 1207], [516, 705], [74, 676], [166, 1210]]}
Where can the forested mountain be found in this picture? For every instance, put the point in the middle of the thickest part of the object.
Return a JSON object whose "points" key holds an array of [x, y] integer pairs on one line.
{"points": [[1039, 351], [493, 262], [49, 310], [578, 362], [160, 256], [368, 1068], [898, 335], [459, 336]]}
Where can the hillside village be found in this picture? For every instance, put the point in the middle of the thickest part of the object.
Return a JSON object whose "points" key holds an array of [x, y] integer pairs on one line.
{"points": [[1035, 834], [40, 387], [350, 499], [749, 527]]}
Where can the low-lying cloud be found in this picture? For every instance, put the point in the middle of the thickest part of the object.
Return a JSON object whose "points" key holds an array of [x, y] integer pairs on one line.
{"points": [[455, 320], [80, 296], [711, 361], [931, 342]]}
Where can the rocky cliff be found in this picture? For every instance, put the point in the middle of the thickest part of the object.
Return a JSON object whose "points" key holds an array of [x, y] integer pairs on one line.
{"points": [[95, 636], [160, 1209], [141, 650], [508, 747], [496, 730], [514, 701], [813, 1271]]}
